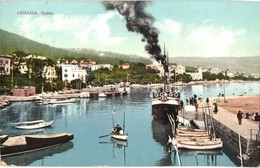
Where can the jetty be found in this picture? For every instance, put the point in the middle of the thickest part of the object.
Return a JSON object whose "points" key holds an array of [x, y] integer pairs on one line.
{"points": [[92, 92], [244, 138]]}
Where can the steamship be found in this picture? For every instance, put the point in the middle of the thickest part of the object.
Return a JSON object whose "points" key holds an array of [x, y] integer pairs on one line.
{"points": [[165, 103]]}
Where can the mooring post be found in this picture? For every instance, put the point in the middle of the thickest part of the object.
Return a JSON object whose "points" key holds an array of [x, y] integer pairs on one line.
{"points": [[240, 151]]}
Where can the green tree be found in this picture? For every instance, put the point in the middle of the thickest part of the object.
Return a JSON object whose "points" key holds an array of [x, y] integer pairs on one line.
{"points": [[186, 78], [17, 59]]}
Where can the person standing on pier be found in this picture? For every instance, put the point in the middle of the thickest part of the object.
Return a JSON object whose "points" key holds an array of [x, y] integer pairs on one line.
{"points": [[207, 101], [181, 102], [239, 117]]}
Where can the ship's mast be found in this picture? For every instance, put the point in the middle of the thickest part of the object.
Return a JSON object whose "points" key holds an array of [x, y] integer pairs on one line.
{"points": [[165, 68]]}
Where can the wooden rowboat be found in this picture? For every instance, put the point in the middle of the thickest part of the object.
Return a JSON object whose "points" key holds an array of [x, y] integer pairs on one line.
{"points": [[184, 130], [192, 135], [202, 144], [29, 143]]}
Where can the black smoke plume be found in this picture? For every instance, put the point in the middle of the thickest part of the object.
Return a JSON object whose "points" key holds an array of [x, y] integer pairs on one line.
{"points": [[139, 21]]}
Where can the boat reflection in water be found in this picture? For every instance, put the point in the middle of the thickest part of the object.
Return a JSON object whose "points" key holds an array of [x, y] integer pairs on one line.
{"points": [[118, 144], [29, 158], [188, 157], [201, 157]]}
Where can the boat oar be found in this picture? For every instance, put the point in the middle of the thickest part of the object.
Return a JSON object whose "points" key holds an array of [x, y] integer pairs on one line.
{"points": [[105, 142], [104, 136]]}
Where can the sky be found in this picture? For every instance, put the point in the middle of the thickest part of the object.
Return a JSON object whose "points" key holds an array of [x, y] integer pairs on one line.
{"points": [[204, 28]]}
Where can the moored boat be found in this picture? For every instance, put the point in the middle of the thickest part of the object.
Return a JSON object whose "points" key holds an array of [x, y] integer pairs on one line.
{"points": [[30, 143], [184, 130], [102, 94], [3, 138], [198, 144], [27, 122], [34, 125], [164, 104], [61, 101], [192, 135]]}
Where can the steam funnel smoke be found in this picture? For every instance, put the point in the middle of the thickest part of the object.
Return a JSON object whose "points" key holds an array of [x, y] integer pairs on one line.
{"points": [[139, 21]]}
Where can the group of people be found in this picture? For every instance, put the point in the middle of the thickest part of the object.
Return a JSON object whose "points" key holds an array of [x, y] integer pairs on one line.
{"points": [[255, 117], [193, 101]]}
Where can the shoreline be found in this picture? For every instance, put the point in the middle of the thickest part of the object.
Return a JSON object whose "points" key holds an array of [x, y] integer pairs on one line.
{"points": [[6, 100]]}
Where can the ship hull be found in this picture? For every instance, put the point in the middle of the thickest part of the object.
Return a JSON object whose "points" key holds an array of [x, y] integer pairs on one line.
{"points": [[160, 111]]}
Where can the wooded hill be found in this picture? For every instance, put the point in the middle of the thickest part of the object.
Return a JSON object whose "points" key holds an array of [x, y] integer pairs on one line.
{"points": [[10, 42]]}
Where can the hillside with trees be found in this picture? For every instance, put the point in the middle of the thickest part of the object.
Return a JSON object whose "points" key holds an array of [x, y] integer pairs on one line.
{"points": [[10, 43]]}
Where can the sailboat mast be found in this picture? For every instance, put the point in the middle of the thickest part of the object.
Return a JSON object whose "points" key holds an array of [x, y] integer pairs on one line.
{"points": [[124, 123], [113, 115]]}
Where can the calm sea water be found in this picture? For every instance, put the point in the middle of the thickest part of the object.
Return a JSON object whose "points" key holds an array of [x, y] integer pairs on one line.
{"points": [[88, 119]]}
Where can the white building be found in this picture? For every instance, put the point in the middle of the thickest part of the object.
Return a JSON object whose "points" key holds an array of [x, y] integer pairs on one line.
{"points": [[180, 69], [49, 73], [23, 68], [72, 72], [215, 70], [124, 66], [197, 75], [5, 63]]}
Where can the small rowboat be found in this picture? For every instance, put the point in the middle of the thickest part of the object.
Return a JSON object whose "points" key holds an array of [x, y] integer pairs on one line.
{"points": [[192, 135], [202, 144], [184, 130], [192, 138], [118, 133], [122, 137]]}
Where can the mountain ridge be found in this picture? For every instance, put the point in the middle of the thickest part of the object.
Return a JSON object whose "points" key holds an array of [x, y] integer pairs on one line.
{"points": [[11, 42]]}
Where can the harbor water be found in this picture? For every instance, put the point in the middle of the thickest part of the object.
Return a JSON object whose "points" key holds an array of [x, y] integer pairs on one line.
{"points": [[88, 119]]}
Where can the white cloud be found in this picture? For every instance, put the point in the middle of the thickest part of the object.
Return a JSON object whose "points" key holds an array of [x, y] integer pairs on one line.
{"points": [[200, 40], [68, 31], [213, 41], [98, 28], [171, 26]]}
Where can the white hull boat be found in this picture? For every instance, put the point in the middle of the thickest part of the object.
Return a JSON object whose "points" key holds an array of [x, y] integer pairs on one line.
{"points": [[183, 130], [61, 101], [118, 133], [102, 95], [201, 144], [27, 122], [122, 137], [29, 125]]}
